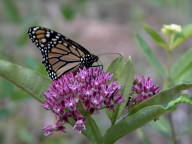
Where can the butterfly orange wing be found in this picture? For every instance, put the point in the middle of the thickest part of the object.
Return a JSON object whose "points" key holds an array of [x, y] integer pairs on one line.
{"points": [[60, 55]]}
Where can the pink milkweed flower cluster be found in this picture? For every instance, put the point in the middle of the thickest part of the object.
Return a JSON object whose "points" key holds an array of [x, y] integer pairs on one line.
{"points": [[89, 89], [143, 88]]}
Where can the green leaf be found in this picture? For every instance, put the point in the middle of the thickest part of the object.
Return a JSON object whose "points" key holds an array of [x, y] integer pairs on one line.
{"points": [[22, 39], [68, 12], [180, 75], [182, 65], [132, 122], [31, 62], [92, 131], [126, 80], [12, 11], [143, 116], [152, 59], [163, 98], [186, 77], [166, 100], [183, 36], [19, 95], [26, 79], [142, 136], [116, 67], [184, 98], [162, 125], [41, 69], [156, 37], [7, 89]]}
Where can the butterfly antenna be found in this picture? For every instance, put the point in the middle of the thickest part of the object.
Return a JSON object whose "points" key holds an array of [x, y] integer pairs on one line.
{"points": [[110, 54]]}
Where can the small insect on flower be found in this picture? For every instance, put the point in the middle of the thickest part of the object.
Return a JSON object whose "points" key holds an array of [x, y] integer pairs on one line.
{"points": [[143, 88], [90, 89]]}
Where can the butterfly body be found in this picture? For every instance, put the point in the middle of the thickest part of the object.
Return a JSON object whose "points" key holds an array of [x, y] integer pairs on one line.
{"points": [[60, 54]]}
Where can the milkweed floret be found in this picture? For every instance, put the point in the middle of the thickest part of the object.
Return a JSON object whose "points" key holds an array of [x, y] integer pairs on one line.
{"points": [[88, 90], [143, 88]]}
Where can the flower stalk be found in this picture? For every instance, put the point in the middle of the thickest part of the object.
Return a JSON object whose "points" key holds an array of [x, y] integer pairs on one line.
{"points": [[171, 31]]}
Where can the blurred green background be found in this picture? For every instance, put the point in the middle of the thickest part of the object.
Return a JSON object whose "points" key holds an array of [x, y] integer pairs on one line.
{"points": [[100, 26]]}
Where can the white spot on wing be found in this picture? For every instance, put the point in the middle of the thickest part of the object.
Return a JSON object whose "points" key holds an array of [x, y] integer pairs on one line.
{"points": [[43, 40]]}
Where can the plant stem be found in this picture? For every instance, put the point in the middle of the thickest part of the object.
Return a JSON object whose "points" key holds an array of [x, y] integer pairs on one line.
{"points": [[169, 65], [171, 83], [142, 136], [173, 133]]}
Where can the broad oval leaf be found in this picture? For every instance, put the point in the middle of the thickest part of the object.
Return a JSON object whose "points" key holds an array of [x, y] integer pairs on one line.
{"points": [[132, 122], [116, 67], [28, 80], [126, 80]]}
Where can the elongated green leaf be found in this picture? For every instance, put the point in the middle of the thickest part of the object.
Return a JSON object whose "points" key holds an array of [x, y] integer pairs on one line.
{"points": [[116, 67], [26, 79], [163, 98], [182, 65], [68, 12], [187, 70], [132, 122], [183, 36], [156, 37], [182, 99], [186, 76], [162, 125], [152, 59], [138, 119], [126, 80], [23, 38], [7, 89], [142, 136], [92, 131], [12, 10]]}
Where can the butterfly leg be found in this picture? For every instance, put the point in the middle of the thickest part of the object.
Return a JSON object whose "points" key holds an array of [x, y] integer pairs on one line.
{"points": [[100, 66]]}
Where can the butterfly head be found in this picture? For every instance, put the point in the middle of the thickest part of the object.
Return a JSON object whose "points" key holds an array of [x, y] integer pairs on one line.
{"points": [[95, 58]]}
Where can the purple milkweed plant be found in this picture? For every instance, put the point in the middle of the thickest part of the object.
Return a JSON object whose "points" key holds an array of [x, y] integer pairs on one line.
{"points": [[87, 90]]}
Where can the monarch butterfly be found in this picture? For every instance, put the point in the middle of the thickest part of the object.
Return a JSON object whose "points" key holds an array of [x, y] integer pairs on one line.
{"points": [[60, 54]]}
